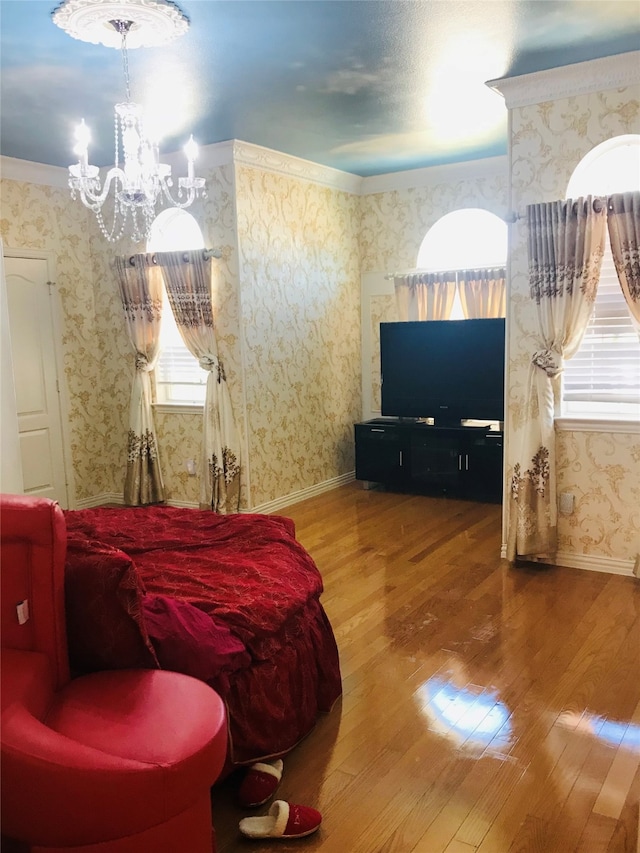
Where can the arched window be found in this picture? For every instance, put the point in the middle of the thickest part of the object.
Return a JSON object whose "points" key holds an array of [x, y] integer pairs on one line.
{"points": [[603, 377], [179, 377], [469, 238]]}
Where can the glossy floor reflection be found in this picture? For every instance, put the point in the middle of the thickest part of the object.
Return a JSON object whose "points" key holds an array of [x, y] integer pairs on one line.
{"points": [[486, 708]]}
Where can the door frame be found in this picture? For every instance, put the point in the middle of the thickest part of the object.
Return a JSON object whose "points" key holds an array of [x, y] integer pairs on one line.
{"points": [[63, 391]]}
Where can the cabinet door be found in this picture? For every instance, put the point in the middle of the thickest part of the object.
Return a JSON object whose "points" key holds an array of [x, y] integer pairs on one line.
{"points": [[483, 467], [435, 460], [380, 454]]}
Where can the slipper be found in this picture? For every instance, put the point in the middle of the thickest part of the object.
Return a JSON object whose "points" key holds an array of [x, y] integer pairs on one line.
{"points": [[285, 820], [260, 783]]}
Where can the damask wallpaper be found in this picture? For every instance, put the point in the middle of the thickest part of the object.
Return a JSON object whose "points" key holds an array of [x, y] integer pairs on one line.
{"points": [[602, 469], [98, 358], [300, 304], [41, 218], [394, 223], [384, 309], [179, 433], [299, 330]]}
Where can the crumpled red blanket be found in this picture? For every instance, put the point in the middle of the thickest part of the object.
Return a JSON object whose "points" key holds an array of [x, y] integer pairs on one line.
{"points": [[230, 599]]}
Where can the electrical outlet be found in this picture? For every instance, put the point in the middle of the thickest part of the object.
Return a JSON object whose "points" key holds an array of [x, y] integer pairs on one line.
{"points": [[567, 502], [190, 465]]}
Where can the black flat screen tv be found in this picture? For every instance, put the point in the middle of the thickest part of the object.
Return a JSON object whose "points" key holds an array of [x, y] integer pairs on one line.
{"points": [[448, 370]]}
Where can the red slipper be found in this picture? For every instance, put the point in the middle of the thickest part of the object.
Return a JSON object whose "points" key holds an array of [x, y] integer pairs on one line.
{"points": [[285, 820], [260, 783]]}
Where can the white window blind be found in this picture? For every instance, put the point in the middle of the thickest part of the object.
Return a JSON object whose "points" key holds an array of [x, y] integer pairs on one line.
{"points": [[179, 377], [603, 377]]}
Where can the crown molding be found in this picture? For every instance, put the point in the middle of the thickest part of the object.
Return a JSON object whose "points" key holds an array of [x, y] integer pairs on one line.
{"points": [[581, 78], [269, 160], [236, 151], [33, 173], [488, 167]]}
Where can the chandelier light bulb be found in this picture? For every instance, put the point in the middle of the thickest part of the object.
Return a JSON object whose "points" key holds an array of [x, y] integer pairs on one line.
{"points": [[191, 150], [83, 137]]}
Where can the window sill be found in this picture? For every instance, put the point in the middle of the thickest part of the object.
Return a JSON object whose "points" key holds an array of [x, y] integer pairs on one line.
{"points": [[610, 425], [179, 408]]}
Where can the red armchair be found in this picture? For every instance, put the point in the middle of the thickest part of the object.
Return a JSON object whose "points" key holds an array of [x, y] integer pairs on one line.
{"points": [[116, 762]]}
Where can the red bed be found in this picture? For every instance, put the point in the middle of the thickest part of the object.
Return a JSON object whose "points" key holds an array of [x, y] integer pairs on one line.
{"points": [[231, 599]]}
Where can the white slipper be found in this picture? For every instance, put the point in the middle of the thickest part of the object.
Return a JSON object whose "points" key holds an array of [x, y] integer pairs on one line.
{"points": [[284, 820]]}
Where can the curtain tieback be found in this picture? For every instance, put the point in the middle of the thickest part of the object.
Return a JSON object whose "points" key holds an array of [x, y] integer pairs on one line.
{"points": [[208, 362], [142, 362], [213, 364], [549, 361]]}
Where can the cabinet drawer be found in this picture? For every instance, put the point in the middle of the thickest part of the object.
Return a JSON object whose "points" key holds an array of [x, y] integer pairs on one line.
{"points": [[381, 435]]}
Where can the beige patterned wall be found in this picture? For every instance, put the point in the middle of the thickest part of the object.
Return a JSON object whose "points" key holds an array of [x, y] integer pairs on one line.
{"points": [[394, 224], [301, 303], [179, 439], [384, 309], [117, 360], [98, 357], [180, 434], [299, 272], [603, 470], [42, 218]]}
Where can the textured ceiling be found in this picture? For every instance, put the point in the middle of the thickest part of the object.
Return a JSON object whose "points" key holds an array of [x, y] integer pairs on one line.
{"points": [[367, 86]]}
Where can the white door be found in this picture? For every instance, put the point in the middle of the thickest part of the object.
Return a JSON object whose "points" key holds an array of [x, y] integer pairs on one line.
{"points": [[37, 384]]}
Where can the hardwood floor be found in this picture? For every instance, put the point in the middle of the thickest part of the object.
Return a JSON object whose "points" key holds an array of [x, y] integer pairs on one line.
{"points": [[486, 708]]}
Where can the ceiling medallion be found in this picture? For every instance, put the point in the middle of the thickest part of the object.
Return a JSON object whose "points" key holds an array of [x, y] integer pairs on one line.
{"points": [[154, 22]]}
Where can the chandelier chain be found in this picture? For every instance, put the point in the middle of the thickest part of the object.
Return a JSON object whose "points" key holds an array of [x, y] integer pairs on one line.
{"points": [[125, 61]]}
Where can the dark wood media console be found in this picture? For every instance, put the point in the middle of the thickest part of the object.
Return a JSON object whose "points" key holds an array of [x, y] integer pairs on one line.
{"points": [[458, 461]]}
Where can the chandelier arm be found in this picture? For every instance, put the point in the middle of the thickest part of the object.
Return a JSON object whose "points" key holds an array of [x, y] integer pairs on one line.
{"points": [[92, 200]]}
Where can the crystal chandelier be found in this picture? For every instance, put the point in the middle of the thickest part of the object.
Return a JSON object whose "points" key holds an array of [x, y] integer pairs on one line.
{"points": [[140, 182]]}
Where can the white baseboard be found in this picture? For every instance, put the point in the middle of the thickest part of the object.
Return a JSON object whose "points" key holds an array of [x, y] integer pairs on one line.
{"points": [[599, 563], [100, 500], [270, 506], [287, 500], [303, 494], [588, 562]]}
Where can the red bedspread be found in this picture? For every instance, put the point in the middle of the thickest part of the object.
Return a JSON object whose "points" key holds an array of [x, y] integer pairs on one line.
{"points": [[231, 599]]}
